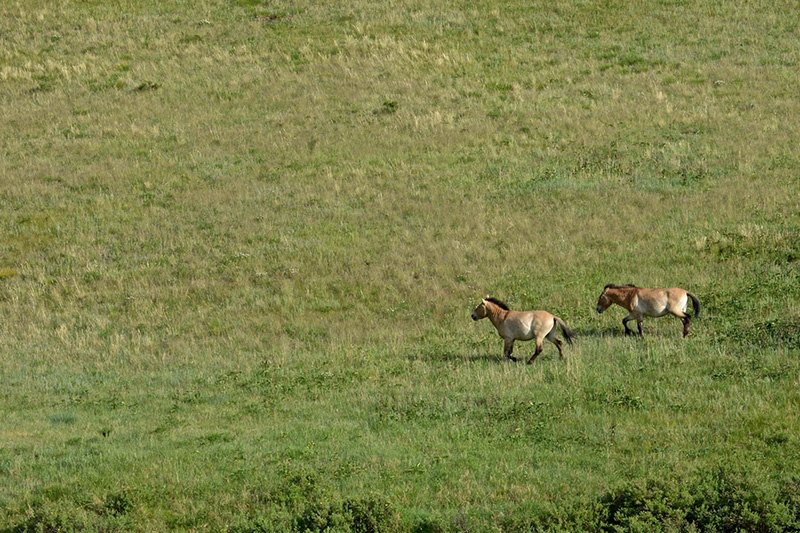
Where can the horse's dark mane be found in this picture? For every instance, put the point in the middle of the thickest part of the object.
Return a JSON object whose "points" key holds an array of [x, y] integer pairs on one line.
{"points": [[498, 303], [612, 286]]}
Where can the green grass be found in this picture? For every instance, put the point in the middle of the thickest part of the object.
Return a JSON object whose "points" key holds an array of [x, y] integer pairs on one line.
{"points": [[241, 241]]}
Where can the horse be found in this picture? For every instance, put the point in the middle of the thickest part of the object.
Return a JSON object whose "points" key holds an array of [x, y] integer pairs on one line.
{"points": [[522, 326], [641, 302]]}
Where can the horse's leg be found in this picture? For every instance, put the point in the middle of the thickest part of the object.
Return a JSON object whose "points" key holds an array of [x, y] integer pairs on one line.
{"points": [[686, 319], [625, 321], [508, 348], [639, 325], [552, 338], [539, 348]]}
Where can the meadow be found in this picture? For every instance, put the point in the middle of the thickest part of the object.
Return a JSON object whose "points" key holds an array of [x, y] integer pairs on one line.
{"points": [[240, 242]]}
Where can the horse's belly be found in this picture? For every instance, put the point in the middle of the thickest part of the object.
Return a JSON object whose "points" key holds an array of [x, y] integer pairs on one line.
{"points": [[654, 312], [526, 336], [519, 333], [653, 309]]}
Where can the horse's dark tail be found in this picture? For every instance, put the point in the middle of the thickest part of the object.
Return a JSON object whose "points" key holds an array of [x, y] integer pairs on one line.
{"points": [[695, 303], [568, 333]]}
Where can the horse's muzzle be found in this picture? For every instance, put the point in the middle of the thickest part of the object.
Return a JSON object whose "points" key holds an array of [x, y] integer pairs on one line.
{"points": [[474, 316], [600, 309]]}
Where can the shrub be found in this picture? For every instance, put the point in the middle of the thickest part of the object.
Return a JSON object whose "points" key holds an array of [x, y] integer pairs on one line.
{"points": [[721, 499], [360, 515], [370, 515]]}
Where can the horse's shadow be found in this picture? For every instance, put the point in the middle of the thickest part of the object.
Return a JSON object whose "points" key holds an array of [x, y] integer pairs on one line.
{"points": [[455, 357], [601, 332], [498, 358], [614, 333], [473, 357]]}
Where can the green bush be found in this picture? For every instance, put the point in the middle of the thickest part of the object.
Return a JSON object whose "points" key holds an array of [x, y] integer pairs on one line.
{"points": [[716, 500], [359, 515]]}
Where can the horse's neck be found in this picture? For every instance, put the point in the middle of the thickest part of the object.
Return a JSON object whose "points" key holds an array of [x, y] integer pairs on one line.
{"points": [[623, 296], [496, 314]]}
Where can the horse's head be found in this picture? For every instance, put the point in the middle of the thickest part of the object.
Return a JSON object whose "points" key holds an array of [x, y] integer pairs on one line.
{"points": [[481, 311], [488, 306], [604, 302], [617, 291]]}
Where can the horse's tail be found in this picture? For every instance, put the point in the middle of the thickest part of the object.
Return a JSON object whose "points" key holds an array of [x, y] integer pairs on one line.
{"points": [[568, 333], [695, 303]]}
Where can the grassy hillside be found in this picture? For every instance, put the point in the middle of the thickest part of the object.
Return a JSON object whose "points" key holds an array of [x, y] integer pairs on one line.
{"points": [[240, 242]]}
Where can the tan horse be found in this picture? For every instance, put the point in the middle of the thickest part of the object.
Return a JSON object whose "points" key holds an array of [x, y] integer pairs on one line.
{"points": [[522, 326], [642, 302]]}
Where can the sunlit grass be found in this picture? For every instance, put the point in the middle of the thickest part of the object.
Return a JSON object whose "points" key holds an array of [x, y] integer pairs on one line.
{"points": [[241, 242]]}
